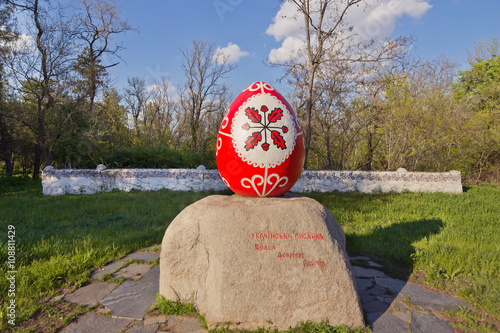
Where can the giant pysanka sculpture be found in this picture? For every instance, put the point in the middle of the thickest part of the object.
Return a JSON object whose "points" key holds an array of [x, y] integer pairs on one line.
{"points": [[260, 146], [260, 258]]}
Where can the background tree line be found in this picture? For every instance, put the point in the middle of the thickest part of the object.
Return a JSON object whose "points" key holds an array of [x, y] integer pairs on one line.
{"points": [[363, 104]]}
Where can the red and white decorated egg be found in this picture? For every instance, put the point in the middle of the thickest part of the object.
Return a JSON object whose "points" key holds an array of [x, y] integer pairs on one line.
{"points": [[260, 146]]}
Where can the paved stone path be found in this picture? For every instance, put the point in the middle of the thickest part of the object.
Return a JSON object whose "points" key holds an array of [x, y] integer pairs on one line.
{"points": [[390, 305]]}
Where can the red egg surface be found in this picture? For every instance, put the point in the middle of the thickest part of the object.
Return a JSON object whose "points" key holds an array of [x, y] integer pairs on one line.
{"points": [[260, 146]]}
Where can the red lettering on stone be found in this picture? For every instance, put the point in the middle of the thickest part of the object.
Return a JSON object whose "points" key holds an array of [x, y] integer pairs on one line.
{"points": [[314, 263], [265, 247]]}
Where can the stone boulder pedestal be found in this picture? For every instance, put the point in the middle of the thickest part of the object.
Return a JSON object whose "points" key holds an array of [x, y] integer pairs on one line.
{"points": [[260, 262]]}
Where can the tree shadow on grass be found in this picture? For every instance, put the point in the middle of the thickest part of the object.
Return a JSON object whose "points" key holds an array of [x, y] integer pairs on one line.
{"points": [[392, 245]]}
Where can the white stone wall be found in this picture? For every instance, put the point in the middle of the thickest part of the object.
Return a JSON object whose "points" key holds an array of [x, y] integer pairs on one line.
{"points": [[85, 181], [378, 182]]}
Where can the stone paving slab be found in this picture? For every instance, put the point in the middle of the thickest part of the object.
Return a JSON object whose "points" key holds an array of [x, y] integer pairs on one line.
{"points": [[155, 320], [133, 271], [394, 285], [132, 299], [361, 272], [108, 269], [421, 296], [364, 283], [91, 294], [382, 296], [153, 248], [142, 256], [383, 299], [358, 258], [380, 291], [404, 315], [181, 324], [374, 264], [375, 306], [190, 325], [153, 276], [425, 323], [97, 324], [140, 328], [384, 322]]}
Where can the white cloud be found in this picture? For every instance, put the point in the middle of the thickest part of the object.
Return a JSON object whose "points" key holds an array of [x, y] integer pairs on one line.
{"points": [[286, 23], [168, 85], [289, 49], [22, 43], [231, 53], [377, 21], [286, 28]]}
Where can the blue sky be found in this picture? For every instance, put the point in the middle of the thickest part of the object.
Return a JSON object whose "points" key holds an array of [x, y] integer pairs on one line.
{"points": [[256, 28]]}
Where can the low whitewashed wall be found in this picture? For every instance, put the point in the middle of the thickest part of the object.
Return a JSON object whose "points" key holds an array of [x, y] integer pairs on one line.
{"points": [[378, 181], [84, 181]]}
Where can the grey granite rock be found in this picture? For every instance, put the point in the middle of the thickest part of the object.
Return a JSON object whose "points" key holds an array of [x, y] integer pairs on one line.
{"points": [[248, 259]]}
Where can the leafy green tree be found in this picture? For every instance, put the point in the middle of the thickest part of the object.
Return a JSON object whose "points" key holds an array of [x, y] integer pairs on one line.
{"points": [[112, 127], [478, 89], [415, 119]]}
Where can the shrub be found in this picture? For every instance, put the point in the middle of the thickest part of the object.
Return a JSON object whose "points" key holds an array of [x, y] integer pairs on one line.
{"points": [[159, 157]]}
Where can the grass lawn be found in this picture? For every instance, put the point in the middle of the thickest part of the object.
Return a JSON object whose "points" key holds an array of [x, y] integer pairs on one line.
{"points": [[450, 242]]}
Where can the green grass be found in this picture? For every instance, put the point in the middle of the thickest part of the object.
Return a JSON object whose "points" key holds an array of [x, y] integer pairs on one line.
{"points": [[174, 308], [61, 239], [307, 327], [186, 308], [448, 241]]}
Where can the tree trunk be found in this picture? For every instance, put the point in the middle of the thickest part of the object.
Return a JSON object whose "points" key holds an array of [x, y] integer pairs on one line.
{"points": [[194, 134], [369, 162], [309, 107], [37, 164], [40, 144]]}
